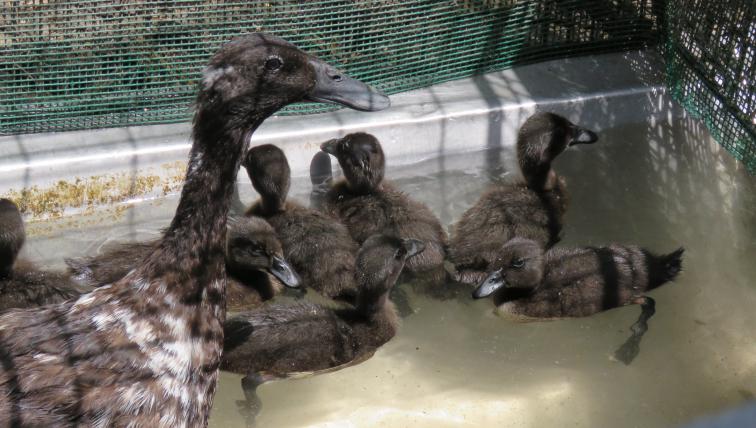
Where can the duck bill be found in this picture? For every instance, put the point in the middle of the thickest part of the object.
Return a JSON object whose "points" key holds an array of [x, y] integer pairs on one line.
{"points": [[335, 87], [493, 282], [583, 136], [413, 247], [331, 146], [284, 272]]}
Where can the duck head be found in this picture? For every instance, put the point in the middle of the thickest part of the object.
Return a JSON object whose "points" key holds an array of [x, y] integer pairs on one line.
{"points": [[541, 139], [379, 262], [269, 171], [254, 75], [252, 245], [12, 235], [519, 266], [361, 158]]}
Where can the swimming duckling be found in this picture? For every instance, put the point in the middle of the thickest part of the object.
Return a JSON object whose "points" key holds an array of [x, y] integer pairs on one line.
{"points": [[22, 285], [145, 350], [281, 339], [256, 268], [367, 204], [532, 208], [319, 247], [529, 284]]}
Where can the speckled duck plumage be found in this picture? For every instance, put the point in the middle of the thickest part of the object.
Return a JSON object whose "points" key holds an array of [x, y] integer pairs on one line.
{"points": [[22, 284], [532, 208], [367, 204], [282, 339], [145, 350], [318, 246]]}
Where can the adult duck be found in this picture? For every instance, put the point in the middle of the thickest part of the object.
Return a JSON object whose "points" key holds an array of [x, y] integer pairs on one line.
{"points": [[145, 350]]}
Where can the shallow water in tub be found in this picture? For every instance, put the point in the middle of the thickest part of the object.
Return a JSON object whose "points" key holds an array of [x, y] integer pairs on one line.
{"points": [[454, 363]]}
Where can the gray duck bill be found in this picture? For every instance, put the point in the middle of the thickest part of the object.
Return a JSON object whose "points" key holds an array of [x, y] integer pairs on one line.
{"points": [[494, 281], [333, 86], [583, 136], [284, 272]]}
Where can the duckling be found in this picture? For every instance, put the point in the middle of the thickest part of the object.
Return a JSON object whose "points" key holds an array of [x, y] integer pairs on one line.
{"points": [[256, 268], [281, 339], [529, 284], [22, 285], [532, 208], [367, 204], [255, 260], [318, 246], [145, 350]]}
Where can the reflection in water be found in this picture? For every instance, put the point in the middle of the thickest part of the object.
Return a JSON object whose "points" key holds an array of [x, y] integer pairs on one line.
{"points": [[660, 185]]}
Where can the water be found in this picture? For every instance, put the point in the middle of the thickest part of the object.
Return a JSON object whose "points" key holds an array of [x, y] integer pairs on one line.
{"points": [[454, 363]]}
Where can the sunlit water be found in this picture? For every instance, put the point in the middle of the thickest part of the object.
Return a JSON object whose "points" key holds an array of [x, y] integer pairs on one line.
{"points": [[454, 363]]}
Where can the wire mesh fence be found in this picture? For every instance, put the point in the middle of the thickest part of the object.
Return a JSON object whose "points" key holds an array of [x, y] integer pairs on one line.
{"points": [[67, 65]]}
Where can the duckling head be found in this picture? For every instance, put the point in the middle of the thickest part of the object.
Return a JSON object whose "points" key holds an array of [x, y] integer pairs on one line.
{"points": [[252, 245], [12, 235], [542, 138], [361, 158], [379, 262], [519, 266], [269, 171], [254, 75]]}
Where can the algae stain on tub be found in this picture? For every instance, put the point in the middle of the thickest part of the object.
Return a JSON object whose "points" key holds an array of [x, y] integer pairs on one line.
{"points": [[87, 195]]}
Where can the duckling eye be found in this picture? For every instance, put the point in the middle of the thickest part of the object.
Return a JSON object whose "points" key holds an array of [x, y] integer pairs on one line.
{"points": [[518, 263], [401, 252], [273, 63]]}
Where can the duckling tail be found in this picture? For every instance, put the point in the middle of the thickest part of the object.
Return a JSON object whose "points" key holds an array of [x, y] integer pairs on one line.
{"points": [[662, 269]]}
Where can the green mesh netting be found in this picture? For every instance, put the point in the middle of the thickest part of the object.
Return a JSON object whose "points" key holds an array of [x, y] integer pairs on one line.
{"points": [[710, 53], [88, 64], [68, 65]]}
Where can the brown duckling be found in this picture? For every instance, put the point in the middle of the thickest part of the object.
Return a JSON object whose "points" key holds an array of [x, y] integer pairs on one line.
{"points": [[532, 208], [22, 285], [256, 268], [319, 247], [282, 339], [529, 284], [145, 350], [367, 204]]}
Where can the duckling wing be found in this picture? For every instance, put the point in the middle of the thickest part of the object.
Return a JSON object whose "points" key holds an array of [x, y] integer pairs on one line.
{"points": [[29, 287], [320, 249], [110, 266], [287, 338], [502, 212]]}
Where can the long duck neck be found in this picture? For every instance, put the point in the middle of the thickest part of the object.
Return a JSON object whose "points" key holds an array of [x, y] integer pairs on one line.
{"points": [[194, 243], [379, 316]]}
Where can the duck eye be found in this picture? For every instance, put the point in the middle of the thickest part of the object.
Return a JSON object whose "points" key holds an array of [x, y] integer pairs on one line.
{"points": [[401, 252], [273, 63], [518, 263]]}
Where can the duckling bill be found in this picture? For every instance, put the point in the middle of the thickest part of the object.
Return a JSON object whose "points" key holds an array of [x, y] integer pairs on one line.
{"points": [[532, 208], [528, 284]]}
